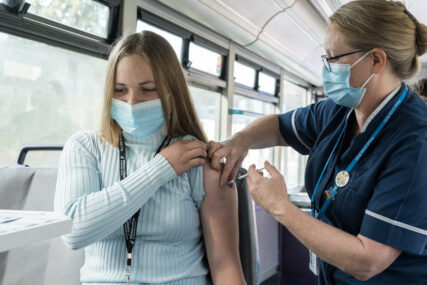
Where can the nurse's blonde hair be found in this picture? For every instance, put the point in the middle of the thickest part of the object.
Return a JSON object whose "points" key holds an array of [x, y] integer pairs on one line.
{"points": [[180, 116], [368, 24]]}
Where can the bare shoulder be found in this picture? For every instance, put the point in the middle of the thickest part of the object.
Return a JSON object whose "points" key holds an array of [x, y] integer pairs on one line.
{"points": [[211, 183], [210, 175]]}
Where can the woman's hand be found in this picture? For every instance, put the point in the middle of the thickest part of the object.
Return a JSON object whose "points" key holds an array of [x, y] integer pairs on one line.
{"points": [[184, 155], [356, 255], [234, 152], [269, 193], [262, 133]]}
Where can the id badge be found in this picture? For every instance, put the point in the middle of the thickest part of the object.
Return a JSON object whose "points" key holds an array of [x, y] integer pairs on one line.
{"points": [[314, 263]]}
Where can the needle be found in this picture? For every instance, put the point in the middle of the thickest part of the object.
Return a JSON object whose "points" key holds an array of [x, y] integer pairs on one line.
{"points": [[242, 176]]}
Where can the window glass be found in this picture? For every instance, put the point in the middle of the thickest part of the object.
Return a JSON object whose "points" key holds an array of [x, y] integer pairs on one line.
{"points": [[255, 156], [258, 109], [174, 40], [208, 107], [205, 59], [267, 83], [293, 163], [265, 223], [293, 168], [244, 74], [252, 105], [294, 96], [47, 95], [86, 15]]}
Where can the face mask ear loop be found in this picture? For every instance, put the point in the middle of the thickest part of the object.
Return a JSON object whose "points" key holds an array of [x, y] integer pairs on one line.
{"points": [[363, 86], [360, 59], [367, 81]]}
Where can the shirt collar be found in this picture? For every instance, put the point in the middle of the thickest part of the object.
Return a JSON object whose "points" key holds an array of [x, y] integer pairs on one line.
{"points": [[377, 109]]}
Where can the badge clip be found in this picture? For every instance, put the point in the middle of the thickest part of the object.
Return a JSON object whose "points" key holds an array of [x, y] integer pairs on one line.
{"points": [[330, 194]]}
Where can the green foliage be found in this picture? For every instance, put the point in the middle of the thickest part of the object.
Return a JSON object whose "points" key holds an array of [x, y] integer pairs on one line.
{"points": [[86, 15]]}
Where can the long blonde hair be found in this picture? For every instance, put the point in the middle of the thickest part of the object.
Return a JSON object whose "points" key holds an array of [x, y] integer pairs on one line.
{"points": [[368, 24], [171, 85]]}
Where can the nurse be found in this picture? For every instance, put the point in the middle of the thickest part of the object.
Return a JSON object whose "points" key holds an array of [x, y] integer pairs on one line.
{"points": [[367, 145]]}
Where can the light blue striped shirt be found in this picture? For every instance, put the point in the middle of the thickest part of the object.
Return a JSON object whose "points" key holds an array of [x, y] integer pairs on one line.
{"points": [[169, 246]]}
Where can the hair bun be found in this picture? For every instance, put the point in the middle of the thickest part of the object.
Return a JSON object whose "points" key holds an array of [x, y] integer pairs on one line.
{"points": [[420, 34], [411, 16]]}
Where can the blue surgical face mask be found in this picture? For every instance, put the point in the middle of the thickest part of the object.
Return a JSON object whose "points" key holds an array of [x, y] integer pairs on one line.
{"points": [[139, 120], [337, 84]]}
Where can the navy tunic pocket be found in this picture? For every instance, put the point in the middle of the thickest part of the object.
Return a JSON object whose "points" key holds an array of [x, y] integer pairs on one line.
{"points": [[351, 206]]}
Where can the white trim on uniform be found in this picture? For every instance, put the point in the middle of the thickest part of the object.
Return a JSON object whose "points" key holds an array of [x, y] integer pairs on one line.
{"points": [[296, 132], [396, 223], [379, 108]]}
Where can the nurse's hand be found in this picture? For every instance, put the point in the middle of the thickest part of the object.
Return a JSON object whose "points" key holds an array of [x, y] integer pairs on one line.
{"points": [[234, 151], [184, 155], [269, 193]]}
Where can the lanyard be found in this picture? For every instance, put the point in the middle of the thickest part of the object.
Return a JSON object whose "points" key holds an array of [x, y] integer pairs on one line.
{"points": [[330, 194], [130, 225]]}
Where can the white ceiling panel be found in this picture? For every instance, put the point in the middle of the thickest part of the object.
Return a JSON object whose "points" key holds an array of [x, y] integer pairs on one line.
{"points": [[257, 12], [239, 30], [310, 18], [288, 34], [293, 39]]}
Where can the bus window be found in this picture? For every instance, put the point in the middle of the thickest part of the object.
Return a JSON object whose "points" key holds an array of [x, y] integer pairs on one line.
{"points": [[246, 110], [293, 163], [205, 60], [47, 94], [174, 40], [267, 83], [244, 74], [208, 107], [85, 15]]}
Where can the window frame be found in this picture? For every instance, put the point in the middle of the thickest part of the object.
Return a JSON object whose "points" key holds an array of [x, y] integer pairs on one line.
{"points": [[254, 91], [37, 28], [194, 75], [241, 89]]}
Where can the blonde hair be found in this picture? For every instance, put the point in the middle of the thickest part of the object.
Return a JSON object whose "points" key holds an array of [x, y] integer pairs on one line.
{"points": [[368, 24], [171, 85]]}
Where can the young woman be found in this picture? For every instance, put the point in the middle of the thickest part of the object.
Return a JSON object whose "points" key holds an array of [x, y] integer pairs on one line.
{"points": [[145, 205]]}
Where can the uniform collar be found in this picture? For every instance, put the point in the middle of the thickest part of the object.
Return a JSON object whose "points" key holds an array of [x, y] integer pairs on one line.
{"points": [[377, 109]]}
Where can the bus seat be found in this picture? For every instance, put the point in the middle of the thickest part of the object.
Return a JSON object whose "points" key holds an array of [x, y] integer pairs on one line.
{"points": [[44, 263], [248, 244]]}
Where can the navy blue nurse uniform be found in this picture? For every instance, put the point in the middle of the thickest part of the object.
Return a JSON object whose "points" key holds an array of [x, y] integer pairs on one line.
{"points": [[386, 196]]}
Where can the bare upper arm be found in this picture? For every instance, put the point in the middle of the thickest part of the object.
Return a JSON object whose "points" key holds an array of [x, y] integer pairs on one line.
{"points": [[217, 198], [210, 182], [379, 256], [220, 229], [282, 141]]}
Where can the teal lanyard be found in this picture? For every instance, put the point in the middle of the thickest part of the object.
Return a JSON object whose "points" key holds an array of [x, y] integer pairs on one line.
{"points": [[333, 190]]}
